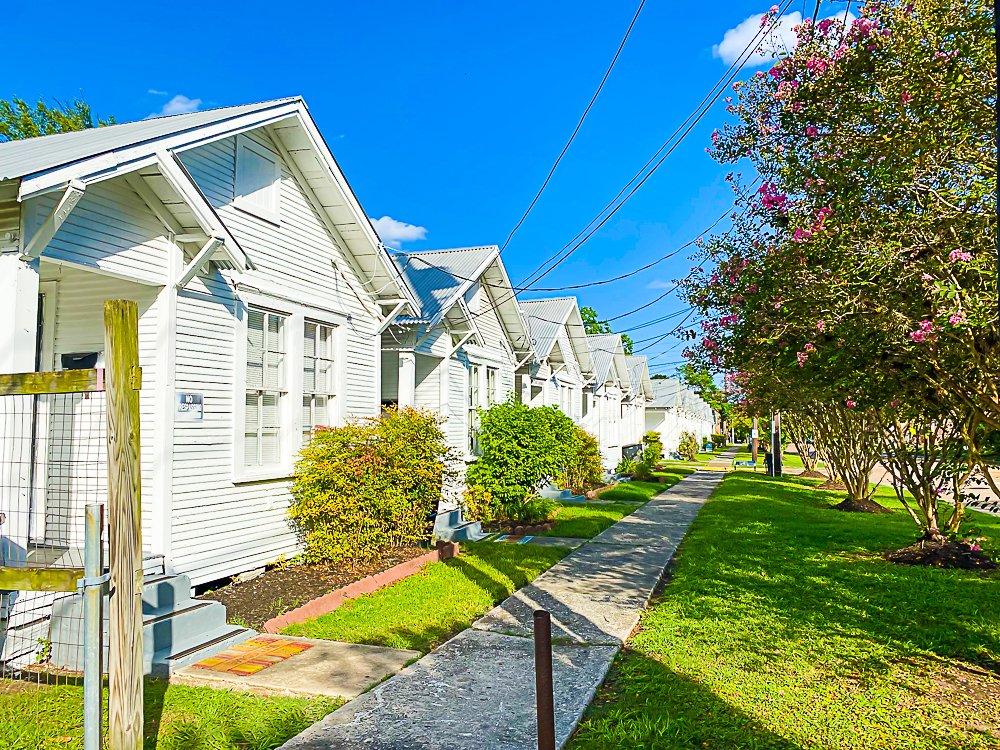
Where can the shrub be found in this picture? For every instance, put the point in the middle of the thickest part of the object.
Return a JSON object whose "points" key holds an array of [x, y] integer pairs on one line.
{"points": [[585, 465], [522, 448], [652, 451], [719, 440], [626, 466], [369, 485], [688, 447]]}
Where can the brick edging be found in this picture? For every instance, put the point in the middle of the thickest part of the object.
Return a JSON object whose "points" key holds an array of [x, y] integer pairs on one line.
{"points": [[329, 602]]}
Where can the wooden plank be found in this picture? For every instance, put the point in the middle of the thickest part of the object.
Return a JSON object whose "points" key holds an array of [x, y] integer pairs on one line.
{"points": [[121, 347], [39, 579], [60, 381]]}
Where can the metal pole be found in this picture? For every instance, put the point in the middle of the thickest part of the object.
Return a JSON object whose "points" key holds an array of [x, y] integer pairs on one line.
{"points": [[93, 622], [544, 703], [776, 452], [754, 434]]}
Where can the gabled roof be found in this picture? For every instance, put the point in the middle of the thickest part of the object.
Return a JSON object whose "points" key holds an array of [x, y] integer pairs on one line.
{"points": [[547, 317], [442, 278], [35, 155], [665, 393], [609, 358], [638, 375], [56, 162]]}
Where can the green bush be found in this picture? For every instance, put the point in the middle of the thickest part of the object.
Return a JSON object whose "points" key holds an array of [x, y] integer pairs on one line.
{"points": [[688, 447], [626, 466], [522, 448], [585, 465], [369, 485], [719, 440]]}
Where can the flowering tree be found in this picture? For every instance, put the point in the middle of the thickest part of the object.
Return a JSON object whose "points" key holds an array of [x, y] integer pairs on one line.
{"points": [[860, 273]]}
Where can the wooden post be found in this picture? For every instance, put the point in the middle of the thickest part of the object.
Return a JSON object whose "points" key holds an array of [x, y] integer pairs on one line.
{"points": [[123, 378]]}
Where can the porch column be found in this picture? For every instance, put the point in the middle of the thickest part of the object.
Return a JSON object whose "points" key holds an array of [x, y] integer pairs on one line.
{"points": [[407, 393], [444, 370], [18, 341], [19, 313], [526, 390]]}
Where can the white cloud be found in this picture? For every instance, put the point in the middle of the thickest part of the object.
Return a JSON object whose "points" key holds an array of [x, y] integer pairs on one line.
{"points": [[179, 105], [778, 40], [394, 233], [660, 284], [156, 92]]}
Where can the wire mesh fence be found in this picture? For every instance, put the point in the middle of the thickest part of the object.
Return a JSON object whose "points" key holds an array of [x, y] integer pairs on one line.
{"points": [[53, 463]]}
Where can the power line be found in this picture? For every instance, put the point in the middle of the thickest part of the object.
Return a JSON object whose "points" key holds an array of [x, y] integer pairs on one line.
{"points": [[576, 130]]}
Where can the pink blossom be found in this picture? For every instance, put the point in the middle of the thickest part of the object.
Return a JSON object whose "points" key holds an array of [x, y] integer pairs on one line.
{"points": [[850, 404], [812, 131], [906, 98], [957, 318], [958, 255], [802, 358], [927, 277], [809, 348], [820, 325], [894, 403]]}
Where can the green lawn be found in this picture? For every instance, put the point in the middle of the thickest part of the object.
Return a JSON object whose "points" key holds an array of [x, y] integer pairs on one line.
{"points": [[784, 628], [424, 610], [640, 492], [177, 717], [586, 520]]}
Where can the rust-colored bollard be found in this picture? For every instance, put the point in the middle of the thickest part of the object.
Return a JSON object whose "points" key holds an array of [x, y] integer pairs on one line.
{"points": [[543, 681]]}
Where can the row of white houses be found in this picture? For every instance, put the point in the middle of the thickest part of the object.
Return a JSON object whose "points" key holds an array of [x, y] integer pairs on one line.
{"points": [[268, 306]]}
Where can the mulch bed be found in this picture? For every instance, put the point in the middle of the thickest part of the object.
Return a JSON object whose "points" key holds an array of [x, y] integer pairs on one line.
{"points": [[831, 484], [860, 506], [280, 589], [814, 475], [942, 555]]}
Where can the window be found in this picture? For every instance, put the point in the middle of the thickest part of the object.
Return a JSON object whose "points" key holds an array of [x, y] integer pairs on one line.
{"points": [[258, 182], [473, 410], [318, 385], [266, 387], [492, 385], [585, 403]]}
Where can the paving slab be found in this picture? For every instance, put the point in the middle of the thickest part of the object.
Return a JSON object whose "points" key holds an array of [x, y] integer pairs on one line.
{"points": [[476, 692], [330, 668]]}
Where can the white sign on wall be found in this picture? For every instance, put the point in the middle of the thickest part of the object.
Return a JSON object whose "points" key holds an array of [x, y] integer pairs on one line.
{"points": [[190, 406]]}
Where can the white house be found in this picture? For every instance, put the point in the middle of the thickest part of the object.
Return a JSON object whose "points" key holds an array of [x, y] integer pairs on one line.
{"points": [[563, 366], [460, 353], [676, 408], [640, 393], [262, 289], [610, 386]]}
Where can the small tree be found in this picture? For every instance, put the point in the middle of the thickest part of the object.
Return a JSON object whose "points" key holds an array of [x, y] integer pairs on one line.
{"points": [[584, 467]]}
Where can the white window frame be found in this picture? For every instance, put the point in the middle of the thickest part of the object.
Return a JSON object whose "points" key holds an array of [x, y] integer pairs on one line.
{"points": [[474, 400], [330, 392], [291, 437], [282, 389], [492, 385], [273, 213]]}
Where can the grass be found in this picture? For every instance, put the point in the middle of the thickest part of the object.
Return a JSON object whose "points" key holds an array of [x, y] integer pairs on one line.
{"points": [[640, 492], [784, 628], [586, 520], [177, 717], [424, 610]]}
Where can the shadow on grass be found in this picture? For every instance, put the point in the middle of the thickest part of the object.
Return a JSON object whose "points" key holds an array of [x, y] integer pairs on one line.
{"points": [[643, 704], [814, 570]]}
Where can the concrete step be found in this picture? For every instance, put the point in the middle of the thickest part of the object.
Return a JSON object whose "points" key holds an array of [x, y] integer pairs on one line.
{"points": [[173, 623], [471, 531], [218, 640], [554, 493]]}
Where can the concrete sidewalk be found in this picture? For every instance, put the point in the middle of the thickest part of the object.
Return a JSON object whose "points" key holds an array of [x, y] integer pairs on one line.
{"points": [[476, 692]]}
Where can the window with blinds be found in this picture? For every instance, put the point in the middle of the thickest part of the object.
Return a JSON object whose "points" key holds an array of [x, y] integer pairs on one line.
{"points": [[318, 384], [266, 387]]}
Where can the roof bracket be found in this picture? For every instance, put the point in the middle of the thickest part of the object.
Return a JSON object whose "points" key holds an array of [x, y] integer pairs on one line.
{"points": [[461, 341], [392, 315], [204, 255], [43, 236]]}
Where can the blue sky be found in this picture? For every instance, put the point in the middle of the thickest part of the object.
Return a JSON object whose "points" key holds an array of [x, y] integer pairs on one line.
{"points": [[444, 115]]}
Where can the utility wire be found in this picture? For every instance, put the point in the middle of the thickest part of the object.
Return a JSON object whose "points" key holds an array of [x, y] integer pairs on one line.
{"points": [[576, 130]]}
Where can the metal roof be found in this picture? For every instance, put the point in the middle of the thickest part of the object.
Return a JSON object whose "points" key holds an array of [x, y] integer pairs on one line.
{"points": [[638, 375], [34, 155], [665, 392], [546, 317], [604, 348], [441, 277]]}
